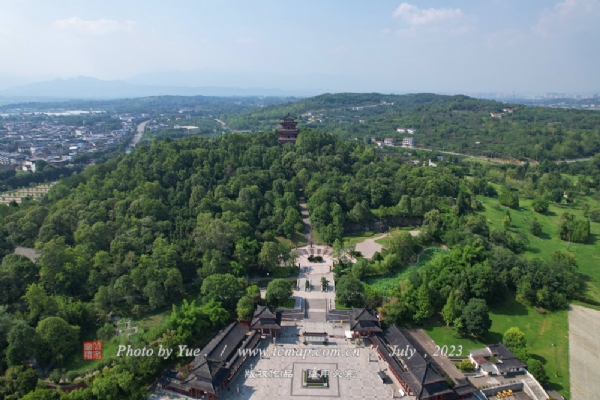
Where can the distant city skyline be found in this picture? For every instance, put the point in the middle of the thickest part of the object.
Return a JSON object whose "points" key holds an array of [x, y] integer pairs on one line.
{"points": [[496, 46]]}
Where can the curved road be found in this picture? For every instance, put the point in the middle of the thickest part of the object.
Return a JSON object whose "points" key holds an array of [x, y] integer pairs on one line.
{"points": [[138, 134]]}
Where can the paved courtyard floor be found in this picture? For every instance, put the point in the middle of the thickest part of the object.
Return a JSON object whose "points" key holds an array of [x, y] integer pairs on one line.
{"points": [[351, 376]]}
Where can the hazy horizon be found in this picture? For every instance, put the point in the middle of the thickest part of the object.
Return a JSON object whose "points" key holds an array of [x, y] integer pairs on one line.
{"points": [[388, 46]]}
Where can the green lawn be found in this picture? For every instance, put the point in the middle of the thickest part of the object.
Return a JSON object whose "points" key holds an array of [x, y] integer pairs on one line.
{"points": [[340, 306], [297, 239], [587, 255], [540, 331], [289, 303], [359, 237]]}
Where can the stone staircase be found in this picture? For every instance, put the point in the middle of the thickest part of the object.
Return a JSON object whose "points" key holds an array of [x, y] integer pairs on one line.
{"points": [[316, 309]]}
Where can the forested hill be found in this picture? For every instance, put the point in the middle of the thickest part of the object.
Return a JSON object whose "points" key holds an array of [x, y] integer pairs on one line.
{"points": [[452, 123], [191, 218]]}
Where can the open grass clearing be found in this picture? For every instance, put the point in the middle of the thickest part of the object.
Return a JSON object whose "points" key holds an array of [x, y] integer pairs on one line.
{"points": [[587, 255], [541, 330]]}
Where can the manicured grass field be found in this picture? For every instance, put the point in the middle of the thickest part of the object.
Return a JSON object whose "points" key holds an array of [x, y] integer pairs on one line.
{"points": [[541, 330], [587, 255]]}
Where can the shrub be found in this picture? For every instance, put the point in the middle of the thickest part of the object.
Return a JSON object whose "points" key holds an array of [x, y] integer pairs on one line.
{"points": [[540, 205], [535, 228], [595, 215], [72, 375], [55, 376], [466, 365], [536, 369], [508, 198], [573, 229]]}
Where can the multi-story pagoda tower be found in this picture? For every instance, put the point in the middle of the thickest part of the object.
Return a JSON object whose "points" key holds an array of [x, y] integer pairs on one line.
{"points": [[288, 133]]}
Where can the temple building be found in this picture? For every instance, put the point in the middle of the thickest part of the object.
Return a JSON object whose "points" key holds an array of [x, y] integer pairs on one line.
{"points": [[216, 365], [265, 321], [364, 323], [418, 376], [288, 133]]}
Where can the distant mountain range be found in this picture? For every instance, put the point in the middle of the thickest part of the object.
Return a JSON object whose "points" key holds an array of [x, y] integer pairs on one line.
{"points": [[92, 88]]}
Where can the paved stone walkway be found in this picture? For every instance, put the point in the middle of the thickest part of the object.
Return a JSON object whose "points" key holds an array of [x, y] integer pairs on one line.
{"points": [[369, 246], [584, 353]]}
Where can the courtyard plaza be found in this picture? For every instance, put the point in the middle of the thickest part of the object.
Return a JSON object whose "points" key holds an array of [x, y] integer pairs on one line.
{"points": [[352, 373]]}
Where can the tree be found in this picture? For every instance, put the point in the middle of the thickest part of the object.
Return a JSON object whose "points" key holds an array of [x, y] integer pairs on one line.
{"points": [[475, 317], [595, 215], [402, 244], [508, 198], [349, 291], [215, 312], [278, 291], [27, 381], [535, 228], [450, 312], [432, 225], [268, 258], [253, 292], [513, 338], [57, 341], [106, 332], [186, 322], [38, 302], [16, 273], [245, 308], [155, 293], [515, 341], [404, 207], [214, 234], [425, 307], [466, 365], [572, 229], [506, 222], [536, 369], [224, 288], [540, 206], [22, 340]]}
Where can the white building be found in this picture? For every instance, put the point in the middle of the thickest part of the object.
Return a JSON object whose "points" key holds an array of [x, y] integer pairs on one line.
{"points": [[388, 141], [496, 359], [408, 142]]}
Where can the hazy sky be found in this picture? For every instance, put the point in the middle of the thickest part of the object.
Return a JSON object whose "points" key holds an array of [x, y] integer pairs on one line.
{"points": [[386, 46]]}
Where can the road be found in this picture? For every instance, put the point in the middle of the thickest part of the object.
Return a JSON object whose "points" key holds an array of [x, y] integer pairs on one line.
{"points": [[494, 160], [138, 134]]}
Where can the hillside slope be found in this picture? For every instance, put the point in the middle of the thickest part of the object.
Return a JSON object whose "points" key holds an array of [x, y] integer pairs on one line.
{"points": [[452, 123]]}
